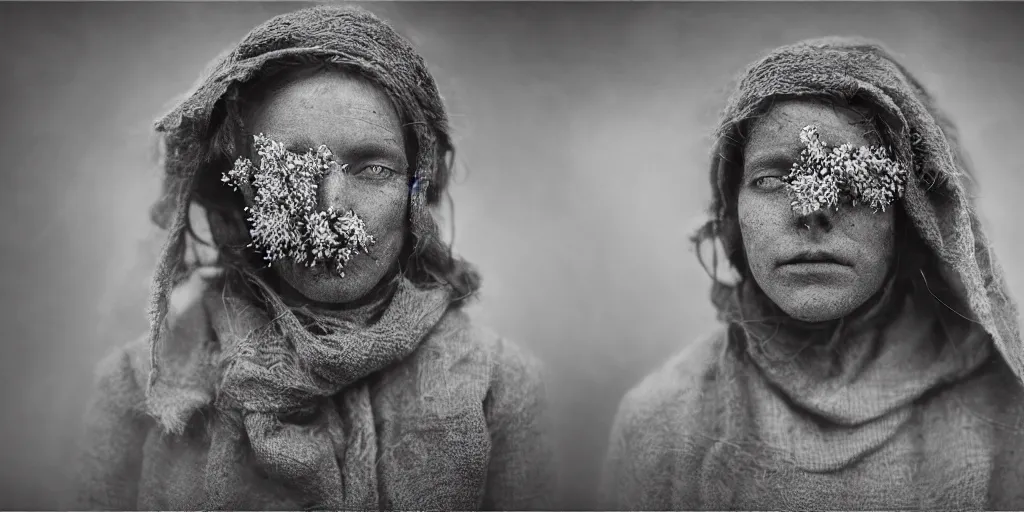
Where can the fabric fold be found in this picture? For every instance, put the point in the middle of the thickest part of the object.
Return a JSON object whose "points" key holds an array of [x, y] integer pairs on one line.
{"points": [[279, 386]]}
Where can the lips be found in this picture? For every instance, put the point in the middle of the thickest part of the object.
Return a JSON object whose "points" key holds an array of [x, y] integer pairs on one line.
{"points": [[815, 257]]}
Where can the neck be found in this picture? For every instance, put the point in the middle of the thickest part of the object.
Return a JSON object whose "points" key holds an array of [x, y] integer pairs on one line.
{"points": [[878, 307], [361, 310], [760, 313]]}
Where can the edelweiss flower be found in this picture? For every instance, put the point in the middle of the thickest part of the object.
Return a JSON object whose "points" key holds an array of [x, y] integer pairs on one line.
{"points": [[284, 220], [825, 176]]}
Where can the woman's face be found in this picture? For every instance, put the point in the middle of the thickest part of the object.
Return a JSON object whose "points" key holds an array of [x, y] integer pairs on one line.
{"points": [[781, 245], [360, 126]]}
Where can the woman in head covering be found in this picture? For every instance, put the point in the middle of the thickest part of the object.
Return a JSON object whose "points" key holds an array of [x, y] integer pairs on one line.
{"points": [[870, 356], [327, 363]]}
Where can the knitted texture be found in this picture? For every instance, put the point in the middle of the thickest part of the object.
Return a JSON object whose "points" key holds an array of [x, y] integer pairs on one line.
{"points": [[458, 424]]}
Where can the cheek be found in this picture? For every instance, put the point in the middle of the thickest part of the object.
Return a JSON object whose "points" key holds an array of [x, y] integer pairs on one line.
{"points": [[384, 208], [761, 222], [874, 235]]}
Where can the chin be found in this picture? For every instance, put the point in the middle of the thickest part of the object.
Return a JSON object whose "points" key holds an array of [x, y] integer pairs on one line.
{"points": [[816, 303], [318, 284], [330, 292], [813, 314]]}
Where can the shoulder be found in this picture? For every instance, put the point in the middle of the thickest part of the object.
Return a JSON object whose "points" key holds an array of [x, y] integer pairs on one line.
{"points": [[500, 358], [510, 361], [662, 430], [674, 395], [516, 389], [509, 377], [122, 375], [120, 378], [517, 375]]}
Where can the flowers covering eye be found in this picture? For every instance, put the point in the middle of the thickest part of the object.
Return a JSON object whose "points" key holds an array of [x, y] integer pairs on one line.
{"points": [[826, 176], [284, 220]]}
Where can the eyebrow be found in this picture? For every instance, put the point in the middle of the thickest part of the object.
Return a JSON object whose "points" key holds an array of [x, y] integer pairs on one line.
{"points": [[361, 150], [301, 145], [774, 159], [374, 148]]}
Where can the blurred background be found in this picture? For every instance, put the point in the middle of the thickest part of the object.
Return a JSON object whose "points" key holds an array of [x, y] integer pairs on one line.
{"points": [[582, 128]]}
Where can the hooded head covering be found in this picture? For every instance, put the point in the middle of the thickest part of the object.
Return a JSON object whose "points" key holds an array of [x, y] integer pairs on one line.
{"points": [[277, 370], [937, 201]]}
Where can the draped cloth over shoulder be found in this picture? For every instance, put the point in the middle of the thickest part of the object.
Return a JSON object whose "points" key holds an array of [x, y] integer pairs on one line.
{"points": [[277, 390]]}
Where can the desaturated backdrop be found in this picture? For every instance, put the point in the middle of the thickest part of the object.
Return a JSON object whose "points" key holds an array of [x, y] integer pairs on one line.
{"points": [[583, 136]]}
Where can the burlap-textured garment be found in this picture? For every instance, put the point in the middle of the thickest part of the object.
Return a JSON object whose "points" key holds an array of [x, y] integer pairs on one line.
{"points": [[240, 400], [458, 424], [914, 403]]}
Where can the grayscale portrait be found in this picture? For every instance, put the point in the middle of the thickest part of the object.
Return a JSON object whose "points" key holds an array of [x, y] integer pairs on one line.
{"points": [[321, 358], [869, 355], [428, 255]]}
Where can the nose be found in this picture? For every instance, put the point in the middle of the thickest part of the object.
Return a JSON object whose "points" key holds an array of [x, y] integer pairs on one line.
{"points": [[333, 191], [817, 221]]}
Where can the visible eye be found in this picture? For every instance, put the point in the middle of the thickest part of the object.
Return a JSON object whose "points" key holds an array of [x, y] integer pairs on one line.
{"points": [[769, 183], [374, 171]]}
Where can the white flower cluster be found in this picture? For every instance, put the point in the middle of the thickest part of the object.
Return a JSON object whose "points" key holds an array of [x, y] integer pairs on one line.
{"points": [[284, 220], [825, 176]]}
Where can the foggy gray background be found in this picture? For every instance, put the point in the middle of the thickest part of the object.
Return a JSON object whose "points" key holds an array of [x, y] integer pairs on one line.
{"points": [[581, 129]]}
